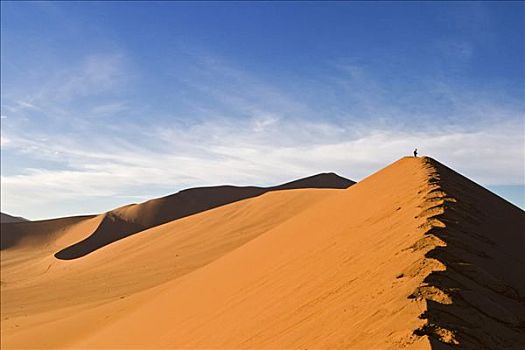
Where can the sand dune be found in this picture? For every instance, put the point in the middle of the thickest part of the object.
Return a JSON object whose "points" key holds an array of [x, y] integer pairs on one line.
{"points": [[160, 253], [414, 256], [144, 260], [6, 218], [26, 234], [128, 220]]}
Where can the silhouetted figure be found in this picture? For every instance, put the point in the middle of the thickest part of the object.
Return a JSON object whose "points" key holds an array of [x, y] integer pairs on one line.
{"points": [[415, 152]]}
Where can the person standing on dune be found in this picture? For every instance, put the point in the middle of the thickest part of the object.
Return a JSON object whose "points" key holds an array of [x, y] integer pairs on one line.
{"points": [[415, 152]]}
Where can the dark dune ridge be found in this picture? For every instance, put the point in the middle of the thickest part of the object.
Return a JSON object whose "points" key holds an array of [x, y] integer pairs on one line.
{"points": [[131, 219], [483, 285], [6, 218], [13, 233]]}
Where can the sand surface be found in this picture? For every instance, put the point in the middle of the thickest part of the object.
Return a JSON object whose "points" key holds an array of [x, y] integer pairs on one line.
{"points": [[413, 257], [6, 218]]}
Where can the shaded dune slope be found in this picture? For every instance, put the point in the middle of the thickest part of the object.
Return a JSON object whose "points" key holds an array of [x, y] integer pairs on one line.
{"points": [[131, 219], [477, 299], [32, 233], [6, 218], [128, 220]]}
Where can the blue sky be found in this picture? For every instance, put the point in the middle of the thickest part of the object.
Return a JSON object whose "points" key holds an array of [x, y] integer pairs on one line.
{"points": [[108, 103]]}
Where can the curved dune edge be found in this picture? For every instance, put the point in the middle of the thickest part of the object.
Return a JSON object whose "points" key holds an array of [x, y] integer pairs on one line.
{"points": [[126, 221], [311, 286], [131, 219], [477, 298], [413, 257], [35, 296], [6, 218], [38, 235]]}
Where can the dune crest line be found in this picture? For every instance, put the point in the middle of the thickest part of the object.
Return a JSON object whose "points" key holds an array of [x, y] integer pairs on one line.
{"points": [[132, 219], [461, 254], [415, 256]]}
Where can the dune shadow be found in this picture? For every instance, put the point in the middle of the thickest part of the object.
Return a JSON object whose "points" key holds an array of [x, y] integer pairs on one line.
{"points": [[12, 233], [111, 229], [484, 276], [118, 224]]}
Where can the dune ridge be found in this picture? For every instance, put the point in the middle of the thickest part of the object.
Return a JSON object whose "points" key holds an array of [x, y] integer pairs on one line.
{"points": [[437, 294], [26, 234], [460, 234], [415, 256], [6, 218], [131, 219]]}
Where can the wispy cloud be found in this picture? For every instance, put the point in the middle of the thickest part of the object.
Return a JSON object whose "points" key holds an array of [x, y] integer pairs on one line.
{"points": [[59, 94], [250, 131], [95, 75], [240, 153]]}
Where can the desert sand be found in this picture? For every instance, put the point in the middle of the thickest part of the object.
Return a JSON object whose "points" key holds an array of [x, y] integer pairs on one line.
{"points": [[6, 218], [415, 256]]}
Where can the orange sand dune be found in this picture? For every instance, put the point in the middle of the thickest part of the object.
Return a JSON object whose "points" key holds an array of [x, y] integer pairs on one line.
{"points": [[130, 219], [415, 256], [35, 283]]}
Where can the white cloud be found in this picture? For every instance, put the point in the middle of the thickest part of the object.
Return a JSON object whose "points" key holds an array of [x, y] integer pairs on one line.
{"points": [[254, 133], [3, 140], [240, 154]]}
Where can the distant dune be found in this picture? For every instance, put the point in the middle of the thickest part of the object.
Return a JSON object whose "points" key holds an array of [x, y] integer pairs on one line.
{"points": [[128, 220], [415, 256], [6, 218]]}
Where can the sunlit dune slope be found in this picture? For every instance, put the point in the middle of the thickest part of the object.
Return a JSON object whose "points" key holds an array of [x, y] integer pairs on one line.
{"points": [[337, 275], [130, 219], [415, 256], [38, 289]]}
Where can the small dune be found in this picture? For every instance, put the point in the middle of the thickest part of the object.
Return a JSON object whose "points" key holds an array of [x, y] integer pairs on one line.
{"points": [[6, 218], [24, 234], [128, 220]]}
